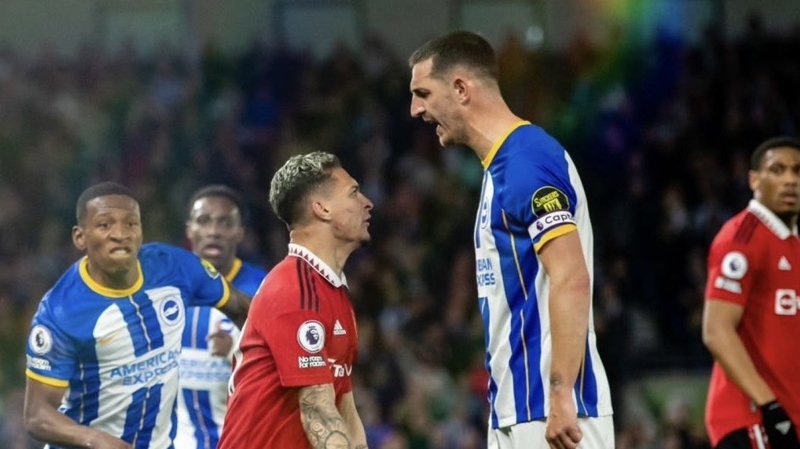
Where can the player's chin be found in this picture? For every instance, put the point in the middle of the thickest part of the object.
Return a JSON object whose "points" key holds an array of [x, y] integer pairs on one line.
{"points": [[365, 239]]}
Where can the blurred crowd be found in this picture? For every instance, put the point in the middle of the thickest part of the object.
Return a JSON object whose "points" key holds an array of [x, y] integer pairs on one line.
{"points": [[661, 132]]}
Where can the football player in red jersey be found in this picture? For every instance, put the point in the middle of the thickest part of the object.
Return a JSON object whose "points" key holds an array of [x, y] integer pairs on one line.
{"points": [[751, 319], [291, 386]]}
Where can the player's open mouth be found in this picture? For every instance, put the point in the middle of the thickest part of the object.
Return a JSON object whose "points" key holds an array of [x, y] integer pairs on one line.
{"points": [[212, 250], [120, 250]]}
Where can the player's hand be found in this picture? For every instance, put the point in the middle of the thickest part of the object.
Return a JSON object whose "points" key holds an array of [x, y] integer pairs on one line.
{"points": [[220, 342], [102, 440], [781, 432], [562, 431]]}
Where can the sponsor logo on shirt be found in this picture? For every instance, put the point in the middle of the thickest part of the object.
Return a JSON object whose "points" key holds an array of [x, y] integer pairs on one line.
{"points": [[40, 340], [548, 199], [727, 284], [549, 221], [38, 363], [785, 301], [203, 369], [340, 370], [311, 336], [314, 361], [338, 329], [144, 371], [485, 272], [484, 220]]}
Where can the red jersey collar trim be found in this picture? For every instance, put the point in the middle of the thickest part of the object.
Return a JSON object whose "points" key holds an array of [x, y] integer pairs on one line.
{"points": [[775, 224], [322, 268]]}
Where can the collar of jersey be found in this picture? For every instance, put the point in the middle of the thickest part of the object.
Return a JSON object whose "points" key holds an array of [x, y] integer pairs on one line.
{"points": [[110, 292], [496, 147], [322, 268], [237, 265], [775, 224]]}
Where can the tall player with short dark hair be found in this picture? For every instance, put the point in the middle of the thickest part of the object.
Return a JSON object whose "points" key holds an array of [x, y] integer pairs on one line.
{"points": [[534, 255], [751, 319], [291, 386]]}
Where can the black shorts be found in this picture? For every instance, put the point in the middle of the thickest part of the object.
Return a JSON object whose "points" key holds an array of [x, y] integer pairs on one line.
{"points": [[746, 438]]}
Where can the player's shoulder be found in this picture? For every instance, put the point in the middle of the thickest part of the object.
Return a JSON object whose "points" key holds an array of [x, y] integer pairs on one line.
{"points": [[532, 142], [164, 258], [70, 303], [162, 252], [252, 270], [740, 230], [284, 284], [62, 294], [285, 276]]}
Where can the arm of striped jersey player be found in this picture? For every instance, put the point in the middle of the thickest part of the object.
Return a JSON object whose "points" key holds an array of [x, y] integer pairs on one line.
{"points": [[45, 423], [324, 425], [720, 321], [237, 306], [358, 436], [569, 303]]}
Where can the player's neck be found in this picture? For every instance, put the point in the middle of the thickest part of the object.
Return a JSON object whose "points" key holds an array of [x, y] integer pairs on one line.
{"points": [[328, 249], [119, 280], [488, 125]]}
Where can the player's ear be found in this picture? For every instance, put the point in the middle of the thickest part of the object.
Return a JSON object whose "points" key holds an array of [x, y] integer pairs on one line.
{"points": [[754, 179], [320, 210], [78, 238], [462, 89]]}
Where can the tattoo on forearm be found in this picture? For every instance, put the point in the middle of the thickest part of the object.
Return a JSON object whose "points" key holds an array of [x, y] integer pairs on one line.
{"points": [[322, 422]]}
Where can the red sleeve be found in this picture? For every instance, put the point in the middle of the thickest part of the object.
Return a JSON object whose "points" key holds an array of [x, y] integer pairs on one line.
{"points": [[732, 268], [297, 340]]}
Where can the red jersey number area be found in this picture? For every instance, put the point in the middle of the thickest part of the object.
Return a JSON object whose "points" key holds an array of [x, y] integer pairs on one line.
{"points": [[301, 331], [754, 262]]}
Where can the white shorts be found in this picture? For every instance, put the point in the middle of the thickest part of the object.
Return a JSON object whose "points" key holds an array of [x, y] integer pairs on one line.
{"points": [[598, 433]]}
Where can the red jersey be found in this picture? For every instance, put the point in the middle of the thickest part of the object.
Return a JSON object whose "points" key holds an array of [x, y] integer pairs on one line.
{"points": [[301, 331], [754, 262]]}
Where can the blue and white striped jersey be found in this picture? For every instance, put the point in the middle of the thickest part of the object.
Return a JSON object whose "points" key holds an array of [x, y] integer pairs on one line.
{"points": [[203, 397], [531, 194], [117, 351]]}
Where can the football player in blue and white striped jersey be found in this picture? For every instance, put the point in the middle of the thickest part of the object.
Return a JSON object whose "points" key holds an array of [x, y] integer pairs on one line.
{"points": [[214, 228], [533, 248], [103, 350]]}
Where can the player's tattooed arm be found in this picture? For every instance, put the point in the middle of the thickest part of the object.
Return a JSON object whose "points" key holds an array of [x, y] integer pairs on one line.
{"points": [[324, 425]]}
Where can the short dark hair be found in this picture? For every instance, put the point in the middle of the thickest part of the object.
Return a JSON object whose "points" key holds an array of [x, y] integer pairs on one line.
{"points": [[458, 48], [96, 191], [299, 176], [775, 142], [220, 191]]}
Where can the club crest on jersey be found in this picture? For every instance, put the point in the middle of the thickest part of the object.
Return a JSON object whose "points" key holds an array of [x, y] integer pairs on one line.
{"points": [[210, 269], [311, 336], [171, 311], [548, 199], [734, 265], [40, 340], [226, 325]]}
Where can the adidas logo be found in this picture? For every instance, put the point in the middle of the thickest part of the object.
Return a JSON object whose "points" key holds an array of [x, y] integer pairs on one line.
{"points": [[783, 427], [338, 329], [784, 264]]}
